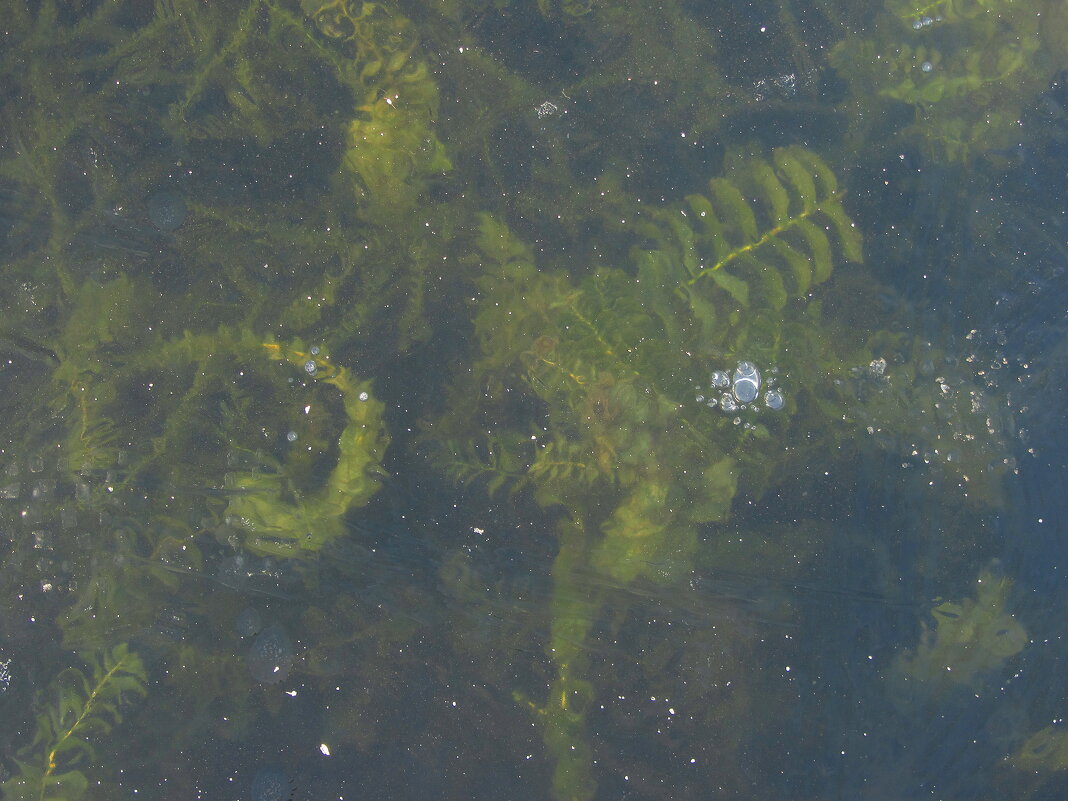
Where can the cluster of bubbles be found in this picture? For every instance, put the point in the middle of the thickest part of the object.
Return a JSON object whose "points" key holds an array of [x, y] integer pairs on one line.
{"points": [[310, 366], [783, 86], [741, 390], [919, 24], [43, 500], [38, 486], [934, 408], [546, 109], [925, 21]]}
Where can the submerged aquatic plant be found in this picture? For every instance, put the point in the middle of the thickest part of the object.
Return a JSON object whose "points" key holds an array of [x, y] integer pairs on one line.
{"points": [[390, 150], [260, 506], [86, 705], [969, 639], [283, 504], [761, 235], [968, 68], [620, 447], [585, 376]]}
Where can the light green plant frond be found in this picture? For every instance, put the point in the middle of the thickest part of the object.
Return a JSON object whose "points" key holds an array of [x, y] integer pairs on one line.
{"points": [[950, 10], [969, 67], [495, 463], [782, 231], [563, 467], [273, 516], [762, 236], [925, 77], [87, 704]]}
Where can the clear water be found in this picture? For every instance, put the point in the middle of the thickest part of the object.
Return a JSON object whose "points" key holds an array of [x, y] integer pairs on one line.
{"points": [[356, 359]]}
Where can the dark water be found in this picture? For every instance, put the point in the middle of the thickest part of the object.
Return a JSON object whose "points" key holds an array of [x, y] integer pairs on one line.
{"points": [[363, 434]]}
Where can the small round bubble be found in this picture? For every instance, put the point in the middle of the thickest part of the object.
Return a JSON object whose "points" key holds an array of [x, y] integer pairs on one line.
{"points": [[927, 66], [364, 396], [309, 367], [315, 350], [727, 402], [773, 399], [720, 379], [291, 436]]}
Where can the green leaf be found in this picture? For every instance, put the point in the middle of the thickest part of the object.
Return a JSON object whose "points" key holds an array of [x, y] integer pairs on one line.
{"points": [[775, 196], [798, 263], [819, 248], [735, 209], [849, 237], [772, 287], [734, 286], [800, 177]]}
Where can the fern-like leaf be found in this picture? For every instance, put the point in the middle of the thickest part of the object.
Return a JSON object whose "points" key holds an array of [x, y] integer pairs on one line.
{"points": [[566, 464], [494, 463], [778, 242]]}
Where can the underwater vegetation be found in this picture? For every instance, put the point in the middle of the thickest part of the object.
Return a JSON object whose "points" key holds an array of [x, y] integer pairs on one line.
{"points": [[967, 69], [634, 463], [204, 408], [271, 525], [275, 265], [969, 638], [84, 707], [390, 148]]}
